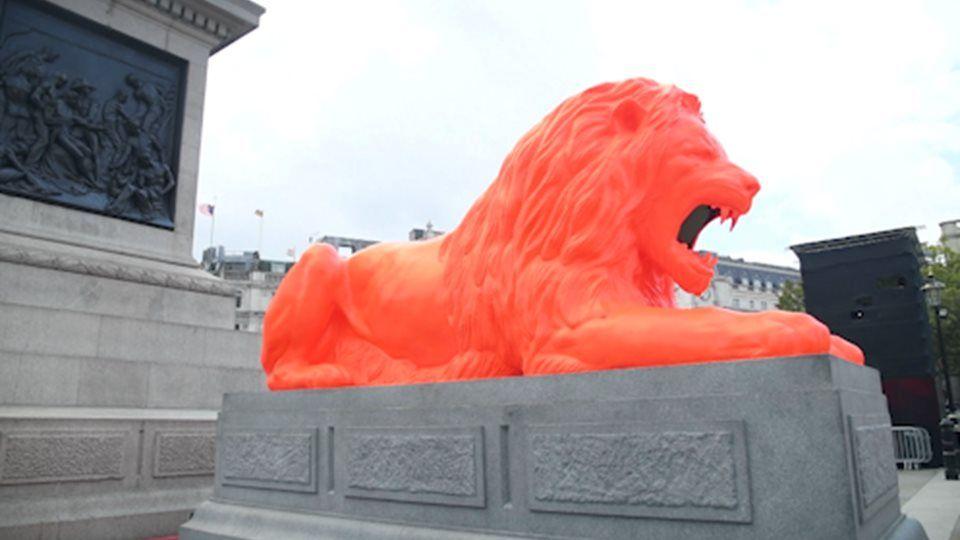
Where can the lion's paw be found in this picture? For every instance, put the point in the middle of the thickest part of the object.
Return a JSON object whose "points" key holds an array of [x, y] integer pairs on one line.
{"points": [[309, 376], [555, 364]]}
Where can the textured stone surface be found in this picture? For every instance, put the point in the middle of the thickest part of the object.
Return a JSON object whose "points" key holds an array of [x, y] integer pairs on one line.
{"points": [[695, 471], [650, 469], [184, 454], [272, 459], [409, 464], [61, 456], [874, 451], [746, 450]]}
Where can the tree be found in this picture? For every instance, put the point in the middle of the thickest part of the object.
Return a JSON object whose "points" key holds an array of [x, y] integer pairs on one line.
{"points": [[944, 265], [791, 296]]}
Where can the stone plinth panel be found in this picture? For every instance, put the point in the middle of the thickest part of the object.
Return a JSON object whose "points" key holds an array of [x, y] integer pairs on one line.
{"points": [[780, 448]]}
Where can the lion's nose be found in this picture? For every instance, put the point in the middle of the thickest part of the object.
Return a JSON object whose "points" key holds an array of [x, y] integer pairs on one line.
{"points": [[750, 183]]}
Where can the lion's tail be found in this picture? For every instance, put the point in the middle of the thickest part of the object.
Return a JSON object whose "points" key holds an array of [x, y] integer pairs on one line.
{"points": [[296, 322]]}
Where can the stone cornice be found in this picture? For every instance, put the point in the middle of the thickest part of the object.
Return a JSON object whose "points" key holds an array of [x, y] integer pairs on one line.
{"points": [[224, 20], [112, 270]]}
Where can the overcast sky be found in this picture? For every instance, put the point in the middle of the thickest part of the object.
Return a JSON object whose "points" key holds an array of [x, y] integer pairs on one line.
{"points": [[366, 119]]}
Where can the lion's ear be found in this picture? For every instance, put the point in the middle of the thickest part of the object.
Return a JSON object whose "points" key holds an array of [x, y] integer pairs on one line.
{"points": [[691, 102], [629, 115]]}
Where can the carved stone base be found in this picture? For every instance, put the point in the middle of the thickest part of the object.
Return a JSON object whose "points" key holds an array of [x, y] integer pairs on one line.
{"points": [[784, 448]]}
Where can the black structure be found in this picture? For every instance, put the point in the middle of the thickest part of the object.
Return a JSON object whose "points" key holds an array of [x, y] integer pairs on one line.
{"points": [[90, 118], [867, 289]]}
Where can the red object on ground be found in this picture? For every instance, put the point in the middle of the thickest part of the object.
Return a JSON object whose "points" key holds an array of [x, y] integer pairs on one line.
{"points": [[566, 264]]}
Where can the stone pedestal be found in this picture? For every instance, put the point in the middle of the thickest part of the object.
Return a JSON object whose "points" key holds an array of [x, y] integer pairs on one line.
{"points": [[784, 448], [115, 348]]}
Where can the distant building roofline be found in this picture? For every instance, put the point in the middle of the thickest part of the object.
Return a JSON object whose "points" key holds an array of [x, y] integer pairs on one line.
{"points": [[775, 267]]}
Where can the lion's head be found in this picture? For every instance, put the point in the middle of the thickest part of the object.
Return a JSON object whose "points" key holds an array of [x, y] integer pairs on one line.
{"points": [[605, 196]]}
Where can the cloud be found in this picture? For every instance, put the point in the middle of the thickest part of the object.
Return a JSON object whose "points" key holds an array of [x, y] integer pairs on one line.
{"points": [[369, 118]]}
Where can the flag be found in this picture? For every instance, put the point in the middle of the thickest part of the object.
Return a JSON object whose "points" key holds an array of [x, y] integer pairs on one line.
{"points": [[292, 252], [258, 213], [206, 209]]}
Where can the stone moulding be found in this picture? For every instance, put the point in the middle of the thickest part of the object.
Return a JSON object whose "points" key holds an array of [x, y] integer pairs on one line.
{"points": [[78, 265], [224, 27]]}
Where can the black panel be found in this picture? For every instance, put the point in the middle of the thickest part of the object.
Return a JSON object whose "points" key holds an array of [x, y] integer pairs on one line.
{"points": [[868, 290], [90, 118]]}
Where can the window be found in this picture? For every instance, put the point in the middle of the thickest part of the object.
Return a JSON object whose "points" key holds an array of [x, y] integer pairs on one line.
{"points": [[751, 304], [736, 302], [239, 301], [763, 304]]}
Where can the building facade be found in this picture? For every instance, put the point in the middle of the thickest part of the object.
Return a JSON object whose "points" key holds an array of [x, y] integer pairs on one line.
{"points": [[741, 285], [255, 280], [950, 234]]}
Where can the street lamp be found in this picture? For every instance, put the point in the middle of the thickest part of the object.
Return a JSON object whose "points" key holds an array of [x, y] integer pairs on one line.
{"points": [[933, 289]]}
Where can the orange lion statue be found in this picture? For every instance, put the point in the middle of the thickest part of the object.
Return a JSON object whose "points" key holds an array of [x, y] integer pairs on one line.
{"points": [[566, 264]]}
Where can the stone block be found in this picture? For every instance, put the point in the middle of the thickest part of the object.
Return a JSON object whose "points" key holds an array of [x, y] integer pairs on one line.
{"points": [[178, 386], [112, 383], [781, 448], [26, 284], [145, 341], [46, 380], [9, 370], [27, 329]]}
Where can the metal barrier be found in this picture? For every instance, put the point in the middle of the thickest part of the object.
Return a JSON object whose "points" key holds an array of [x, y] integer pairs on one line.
{"points": [[911, 446]]}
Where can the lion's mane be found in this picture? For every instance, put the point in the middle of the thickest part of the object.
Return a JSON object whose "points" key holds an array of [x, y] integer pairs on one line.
{"points": [[554, 233]]}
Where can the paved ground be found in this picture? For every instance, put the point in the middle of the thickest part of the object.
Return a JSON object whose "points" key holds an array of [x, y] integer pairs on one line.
{"points": [[933, 501]]}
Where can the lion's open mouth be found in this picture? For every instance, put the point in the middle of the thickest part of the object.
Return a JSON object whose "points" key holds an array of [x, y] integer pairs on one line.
{"points": [[698, 219]]}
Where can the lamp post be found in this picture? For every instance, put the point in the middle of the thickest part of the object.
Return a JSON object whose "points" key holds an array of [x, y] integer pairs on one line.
{"points": [[934, 292], [948, 425]]}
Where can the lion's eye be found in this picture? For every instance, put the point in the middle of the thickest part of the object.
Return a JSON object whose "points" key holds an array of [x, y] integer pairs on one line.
{"points": [[700, 152]]}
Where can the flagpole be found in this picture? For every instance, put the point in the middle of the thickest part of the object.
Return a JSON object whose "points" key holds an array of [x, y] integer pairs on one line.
{"points": [[260, 236], [213, 220], [213, 223]]}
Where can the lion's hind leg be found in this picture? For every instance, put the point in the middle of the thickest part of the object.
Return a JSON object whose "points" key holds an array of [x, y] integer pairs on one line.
{"points": [[299, 330]]}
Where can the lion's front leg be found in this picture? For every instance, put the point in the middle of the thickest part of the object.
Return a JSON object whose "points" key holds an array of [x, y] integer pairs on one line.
{"points": [[645, 336]]}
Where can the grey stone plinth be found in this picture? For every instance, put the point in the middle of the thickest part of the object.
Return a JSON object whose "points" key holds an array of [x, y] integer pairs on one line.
{"points": [[781, 448]]}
